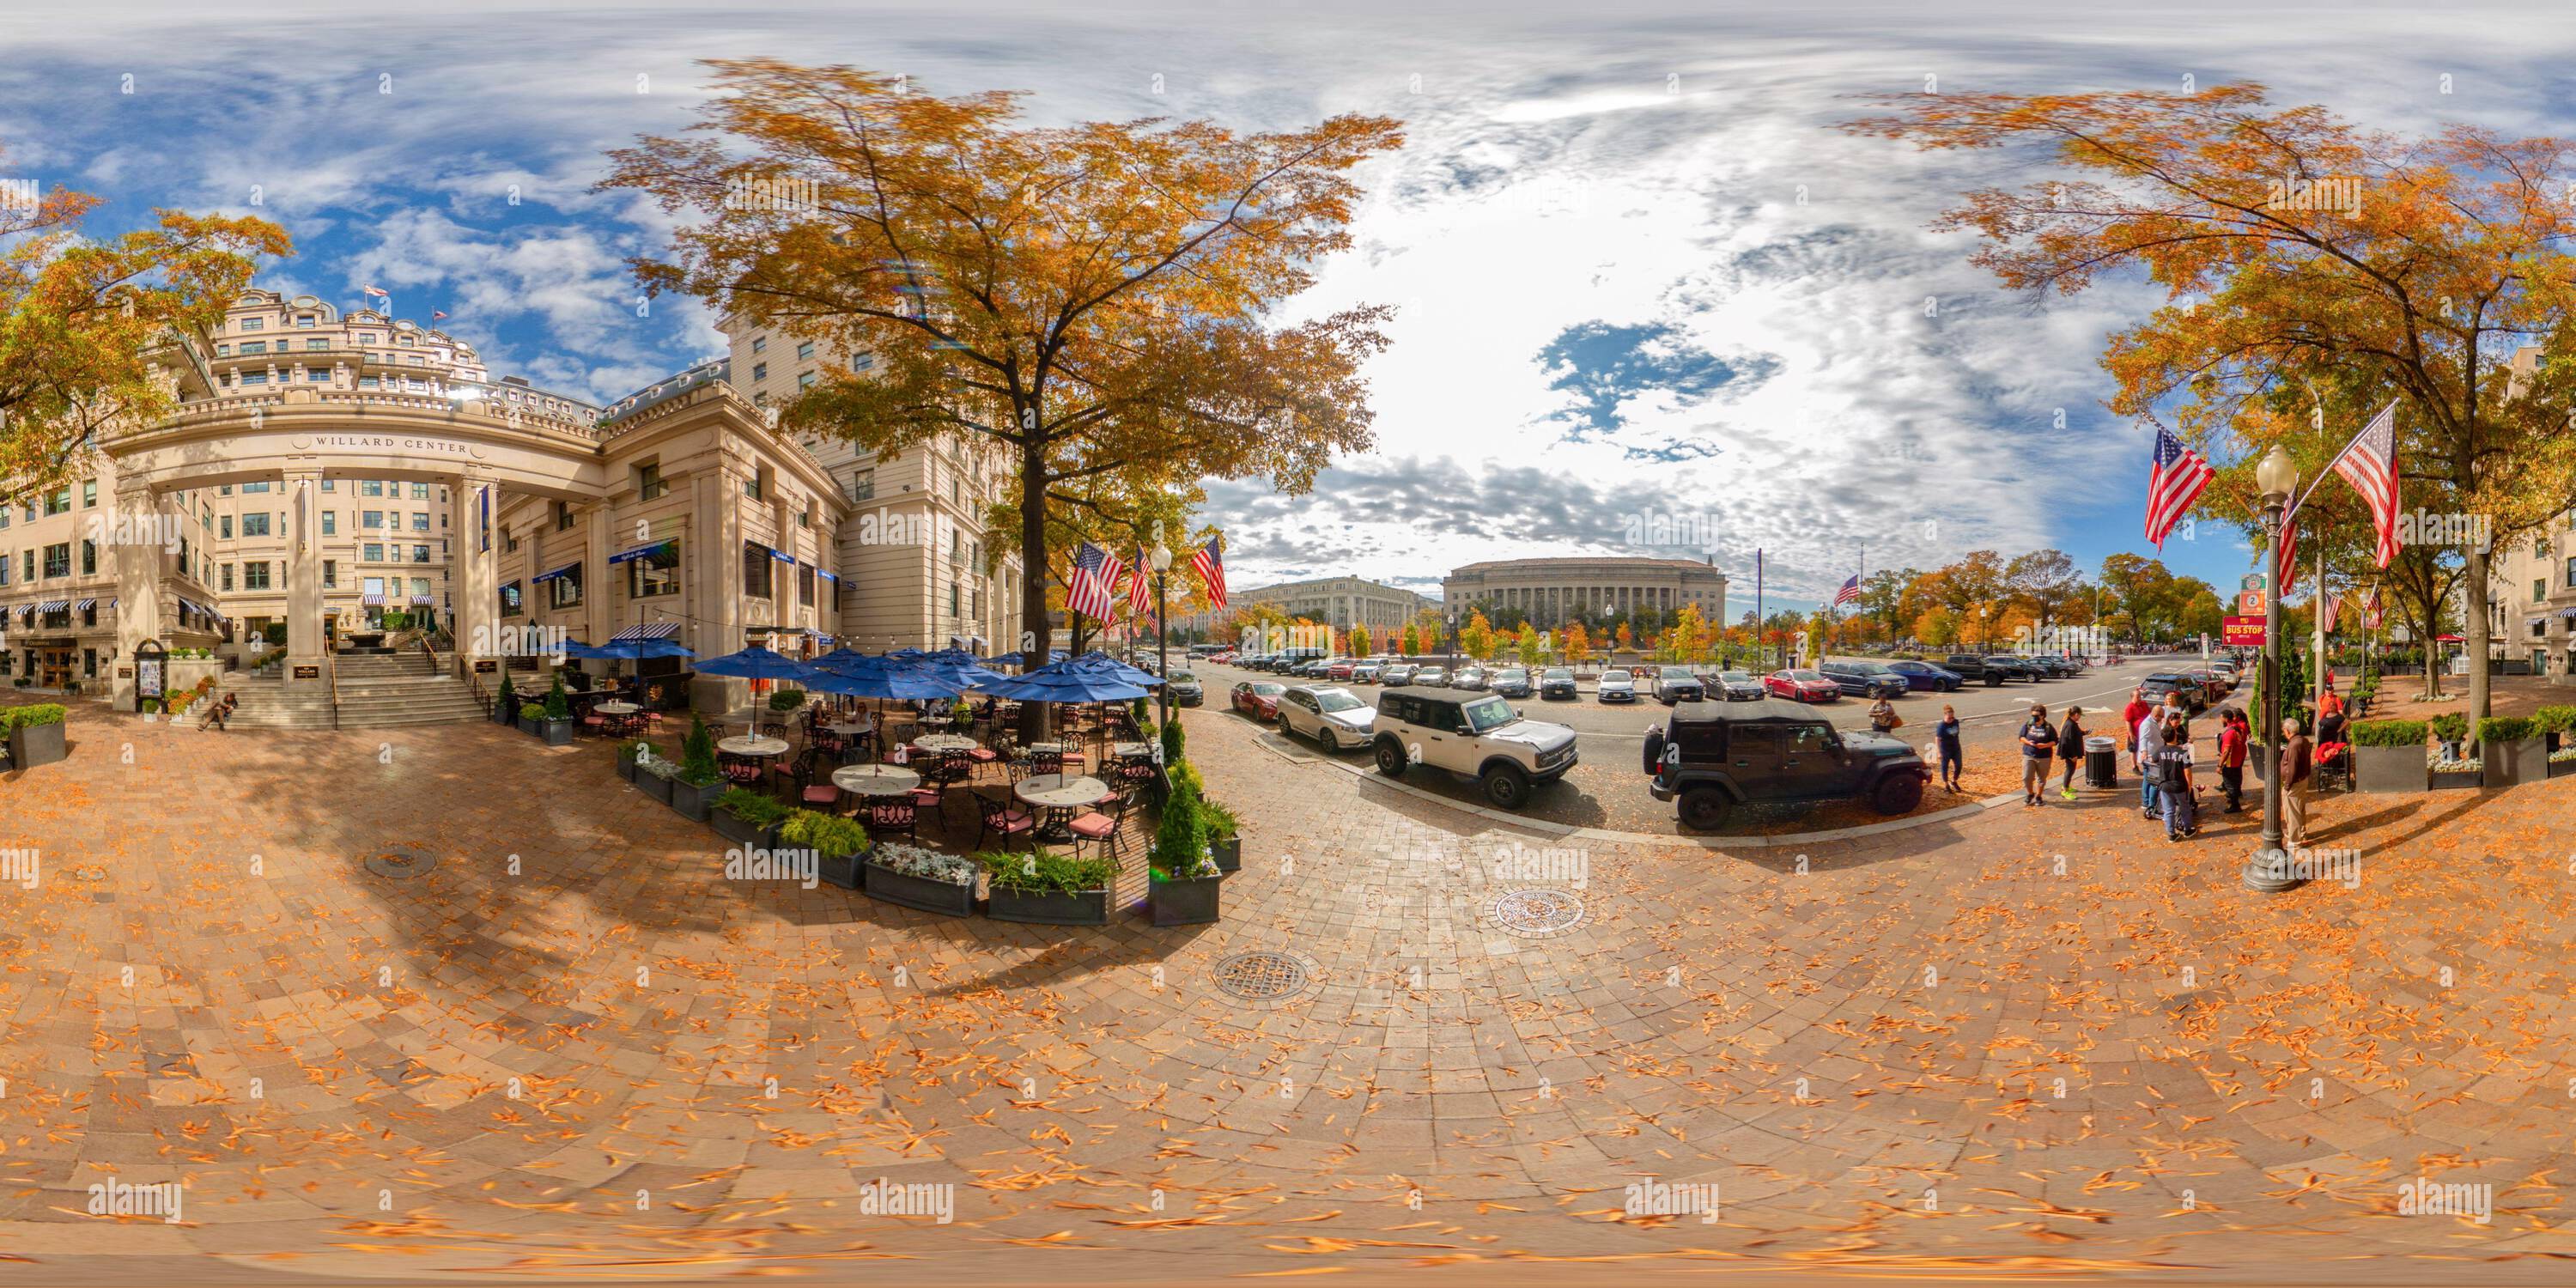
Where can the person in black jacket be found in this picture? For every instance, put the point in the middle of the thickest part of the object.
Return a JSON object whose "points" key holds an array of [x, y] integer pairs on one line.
{"points": [[2070, 748]]}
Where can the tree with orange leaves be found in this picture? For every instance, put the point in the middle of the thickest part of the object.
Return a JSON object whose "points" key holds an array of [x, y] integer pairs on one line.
{"points": [[2295, 247], [1098, 299]]}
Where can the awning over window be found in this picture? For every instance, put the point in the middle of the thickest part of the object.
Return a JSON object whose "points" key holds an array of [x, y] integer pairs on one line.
{"points": [[53, 605], [424, 599], [84, 605], [371, 600], [648, 631], [110, 602], [2568, 613], [638, 552], [552, 573]]}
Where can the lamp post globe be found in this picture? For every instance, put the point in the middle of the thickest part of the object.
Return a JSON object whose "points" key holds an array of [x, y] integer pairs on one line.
{"points": [[2267, 870]]}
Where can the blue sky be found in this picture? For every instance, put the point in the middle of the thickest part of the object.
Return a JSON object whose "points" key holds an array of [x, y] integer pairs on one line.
{"points": [[1636, 270]]}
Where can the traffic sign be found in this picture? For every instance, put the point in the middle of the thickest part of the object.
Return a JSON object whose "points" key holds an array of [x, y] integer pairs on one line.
{"points": [[2242, 632], [2253, 581], [2250, 603]]}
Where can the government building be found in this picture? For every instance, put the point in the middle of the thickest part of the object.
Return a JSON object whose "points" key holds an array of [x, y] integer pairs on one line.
{"points": [[1339, 602], [1548, 591]]}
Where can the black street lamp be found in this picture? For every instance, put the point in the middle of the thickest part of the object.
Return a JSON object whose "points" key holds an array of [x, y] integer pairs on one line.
{"points": [[2268, 868], [1161, 558]]}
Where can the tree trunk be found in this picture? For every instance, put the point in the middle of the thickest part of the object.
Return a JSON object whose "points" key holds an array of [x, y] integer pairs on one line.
{"points": [[2474, 594], [1034, 631]]}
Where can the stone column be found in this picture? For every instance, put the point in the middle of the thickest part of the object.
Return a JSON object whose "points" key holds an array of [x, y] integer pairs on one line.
{"points": [[138, 583], [471, 573], [303, 488], [598, 588]]}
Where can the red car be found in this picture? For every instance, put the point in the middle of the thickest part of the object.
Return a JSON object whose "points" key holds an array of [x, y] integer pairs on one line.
{"points": [[1802, 686], [1341, 668], [1259, 699]]}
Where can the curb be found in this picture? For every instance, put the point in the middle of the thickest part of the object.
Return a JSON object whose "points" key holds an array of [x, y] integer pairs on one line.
{"points": [[1607, 836]]}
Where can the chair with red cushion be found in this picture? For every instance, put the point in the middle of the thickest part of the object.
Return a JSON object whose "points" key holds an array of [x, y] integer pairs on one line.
{"points": [[1100, 826], [1002, 817], [891, 817]]}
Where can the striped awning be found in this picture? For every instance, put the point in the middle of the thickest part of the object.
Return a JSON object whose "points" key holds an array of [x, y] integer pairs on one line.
{"points": [[371, 599], [424, 599], [648, 631], [2568, 613], [53, 605], [110, 602], [638, 552], [552, 573], [84, 605]]}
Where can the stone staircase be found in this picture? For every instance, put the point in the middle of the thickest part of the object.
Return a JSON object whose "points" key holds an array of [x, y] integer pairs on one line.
{"points": [[266, 703], [377, 691]]}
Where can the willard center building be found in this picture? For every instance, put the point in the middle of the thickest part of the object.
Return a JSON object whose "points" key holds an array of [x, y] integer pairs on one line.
{"points": [[323, 470]]}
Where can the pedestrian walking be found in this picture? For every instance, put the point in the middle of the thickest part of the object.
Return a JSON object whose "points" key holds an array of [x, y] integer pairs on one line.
{"points": [[2150, 735], [1946, 734], [2232, 730], [1883, 717], [2070, 749], [2170, 765], [2293, 769], [2038, 744]]}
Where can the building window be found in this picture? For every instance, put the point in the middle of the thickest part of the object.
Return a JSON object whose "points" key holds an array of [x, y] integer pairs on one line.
{"points": [[420, 521], [863, 485], [372, 520], [58, 560], [862, 361], [752, 486], [420, 554], [805, 352], [648, 482], [805, 586], [2539, 588], [374, 552], [760, 344], [89, 493], [228, 577], [304, 323], [89, 557], [513, 603], [2571, 570], [330, 523], [804, 379], [330, 485], [420, 491], [759, 371], [330, 573], [565, 591], [755, 570], [59, 502], [227, 530], [255, 525], [255, 575], [952, 598], [655, 574], [563, 517], [255, 346]]}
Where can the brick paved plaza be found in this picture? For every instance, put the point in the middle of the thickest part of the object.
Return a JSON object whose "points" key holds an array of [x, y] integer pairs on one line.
{"points": [[2037, 1044]]}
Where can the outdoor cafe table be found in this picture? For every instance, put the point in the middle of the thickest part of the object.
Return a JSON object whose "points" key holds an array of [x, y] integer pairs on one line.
{"points": [[753, 745], [616, 708], [875, 780], [1059, 795], [1132, 750], [944, 742], [851, 728]]}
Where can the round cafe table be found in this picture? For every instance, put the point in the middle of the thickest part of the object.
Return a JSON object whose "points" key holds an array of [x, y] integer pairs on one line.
{"points": [[616, 708], [1132, 750], [753, 745], [1059, 795], [944, 742], [875, 780], [851, 728]]}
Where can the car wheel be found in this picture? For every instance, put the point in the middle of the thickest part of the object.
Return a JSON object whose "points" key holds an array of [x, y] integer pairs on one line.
{"points": [[1897, 793], [1705, 809], [1390, 758], [1994, 681], [1507, 786]]}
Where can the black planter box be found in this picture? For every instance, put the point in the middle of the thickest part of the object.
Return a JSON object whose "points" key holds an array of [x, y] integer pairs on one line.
{"points": [[2455, 780], [1188, 902], [1049, 907], [626, 768], [558, 733], [692, 800], [919, 893], [2389, 769], [504, 712], [1228, 851], [654, 785], [33, 745], [2521, 760], [840, 869], [528, 725], [2561, 768], [740, 832]]}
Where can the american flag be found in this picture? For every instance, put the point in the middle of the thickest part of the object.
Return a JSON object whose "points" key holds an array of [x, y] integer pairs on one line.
{"points": [[1140, 595], [1209, 563], [2332, 609], [2289, 550], [2369, 463], [1087, 590], [2173, 483], [437, 316], [1850, 593], [378, 291], [2370, 609]]}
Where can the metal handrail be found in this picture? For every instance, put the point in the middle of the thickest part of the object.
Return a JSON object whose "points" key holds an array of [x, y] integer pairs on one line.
{"points": [[331, 659]]}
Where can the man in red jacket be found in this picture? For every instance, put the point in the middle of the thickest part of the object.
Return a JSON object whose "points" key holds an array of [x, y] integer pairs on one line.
{"points": [[2134, 712], [2232, 728]]}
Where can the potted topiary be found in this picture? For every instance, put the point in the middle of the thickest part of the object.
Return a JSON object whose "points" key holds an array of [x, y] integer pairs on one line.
{"points": [[1047, 889], [837, 843], [557, 722], [747, 818], [926, 880], [2451, 728], [785, 700], [1184, 882], [2387, 755], [1172, 743], [505, 704], [655, 776], [699, 782], [2511, 751], [35, 734], [2556, 724], [1224, 831]]}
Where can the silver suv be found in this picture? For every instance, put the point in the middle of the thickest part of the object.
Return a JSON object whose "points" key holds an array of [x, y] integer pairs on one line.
{"points": [[1478, 735]]}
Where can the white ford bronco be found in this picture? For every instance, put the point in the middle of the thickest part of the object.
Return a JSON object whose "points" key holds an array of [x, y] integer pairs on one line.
{"points": [[1479, 735]]}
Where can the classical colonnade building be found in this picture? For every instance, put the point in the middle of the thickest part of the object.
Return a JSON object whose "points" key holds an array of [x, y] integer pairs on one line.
{"points": [[1549, 591]]}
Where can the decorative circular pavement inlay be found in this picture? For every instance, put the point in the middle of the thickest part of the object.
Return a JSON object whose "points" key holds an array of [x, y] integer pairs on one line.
{"points": [[1260, 976], [1537, 912], [401, 861]]}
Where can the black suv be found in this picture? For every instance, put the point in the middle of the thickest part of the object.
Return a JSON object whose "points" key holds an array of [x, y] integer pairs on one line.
{"points": [[1719, 755], [2195, 694], [1973, 668], [1557, 682]]}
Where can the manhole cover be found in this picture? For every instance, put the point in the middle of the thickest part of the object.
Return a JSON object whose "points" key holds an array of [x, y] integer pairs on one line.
{"points": [[1536, 912], [401, 861], [1260, 977], [88, 872]]}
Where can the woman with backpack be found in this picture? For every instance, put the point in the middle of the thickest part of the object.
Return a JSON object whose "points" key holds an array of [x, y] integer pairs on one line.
{"points": [[2070, 749], [2170, 766]]}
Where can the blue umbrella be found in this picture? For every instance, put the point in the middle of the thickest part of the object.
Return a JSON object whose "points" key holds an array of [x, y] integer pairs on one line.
{"points": [[1020, 659], [1096, 660], [1063, 682], [626, 650], [754, 663]]}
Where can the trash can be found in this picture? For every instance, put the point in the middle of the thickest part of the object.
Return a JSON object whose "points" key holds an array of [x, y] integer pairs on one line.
{"points": [[2101, 761]]}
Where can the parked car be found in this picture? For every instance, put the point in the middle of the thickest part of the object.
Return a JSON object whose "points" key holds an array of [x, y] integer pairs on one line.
{"points": [[2013, 668], [1615, 686], [1473, 679], [1314, 670], [1737, 686], [1331, 715], [1557, 682], [1259, 699], [1431, 677], [1513, 682], [1479, 735], [1396, 673], [2053, 665], [1678, 684], [1864, 679], [1926, 677], [2195, 695], [1185, 689], [1717, 756], [1802, 686], [1340, 668], [1366, 672], [1969, 666]]}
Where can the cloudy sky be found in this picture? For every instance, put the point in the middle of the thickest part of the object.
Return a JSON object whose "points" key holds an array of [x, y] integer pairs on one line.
{"points": [[1639, 273]]}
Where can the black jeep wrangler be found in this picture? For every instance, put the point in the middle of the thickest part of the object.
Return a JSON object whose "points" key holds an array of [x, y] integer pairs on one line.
{"points": [[1719, 755]]}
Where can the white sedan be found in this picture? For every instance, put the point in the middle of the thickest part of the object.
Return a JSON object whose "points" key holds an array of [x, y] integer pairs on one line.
{"points": [[1328, 713], [1616, 686]]}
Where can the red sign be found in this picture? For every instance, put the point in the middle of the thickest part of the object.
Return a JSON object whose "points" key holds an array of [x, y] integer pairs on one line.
{"points": [[2249, 603], [2242, 632]]}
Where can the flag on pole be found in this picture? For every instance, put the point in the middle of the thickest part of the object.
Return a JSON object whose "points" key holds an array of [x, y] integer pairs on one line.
{"points": [[1086, 591], [2370, 610], [2175, 479], [2332, 609], [1140, 596], [1850, 593], [377, 291], [1209, 563], [437, 316], [2369, 463], [2289, 551]]}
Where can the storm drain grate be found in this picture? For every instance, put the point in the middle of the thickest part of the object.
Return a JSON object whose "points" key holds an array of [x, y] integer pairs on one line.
{"points": [[401, 862], [1537, 912], [1260, 976]]}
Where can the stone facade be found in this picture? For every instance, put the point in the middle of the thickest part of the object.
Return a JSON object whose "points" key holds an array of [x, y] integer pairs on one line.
{"points": [[1547, 590]]}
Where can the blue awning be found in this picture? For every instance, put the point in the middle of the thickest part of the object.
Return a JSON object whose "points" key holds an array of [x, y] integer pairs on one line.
{"points": [[2568, 613], [552, 573], [83, 605], [781, 555], [825, 575], [648, 631], [638, 552], [53, 605]]}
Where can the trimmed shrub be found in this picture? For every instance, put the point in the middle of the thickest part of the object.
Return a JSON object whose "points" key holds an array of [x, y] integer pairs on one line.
{"points": [[787, 700], [2386, 733], [558, 703], [13, 719], [2558, 719], [755, 808], [1172, 745], [697, 754], [1046, 872], [2506, 729], [831, 837], [1180, 838], [2450, 726]]}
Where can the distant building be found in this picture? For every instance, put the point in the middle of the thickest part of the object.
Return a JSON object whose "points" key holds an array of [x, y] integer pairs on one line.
{"points": [[1340, 602], [1547, 591]]}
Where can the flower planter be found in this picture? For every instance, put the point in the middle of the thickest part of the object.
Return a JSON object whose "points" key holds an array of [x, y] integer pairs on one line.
{"points": [[558, 733], [1228, 852], [33, 745], [2452, 780], [628, 769], [919, 893], [2506, 762], [840, 869], [1191, 901], [528, 725], [746, 835], [654, 785], [693, 801], [2388, 769], [2561, 768], [1049, 907], [504, 712]]}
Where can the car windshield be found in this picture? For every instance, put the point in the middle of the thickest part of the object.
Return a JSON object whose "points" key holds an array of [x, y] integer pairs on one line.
{"points": [[1184, 677], [1679, 673], [1338, 701], [1617, 679], [1560, 673], [2166, 679], [1809, 676], [1511, 673], [1736, 677], [1270, 690], [1487, 713]]}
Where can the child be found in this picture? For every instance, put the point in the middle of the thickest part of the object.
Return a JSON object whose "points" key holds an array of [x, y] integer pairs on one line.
{"points": [[2170, 765]]}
